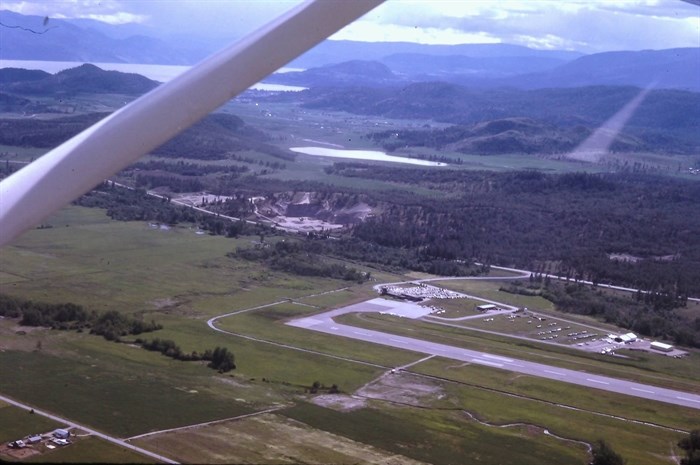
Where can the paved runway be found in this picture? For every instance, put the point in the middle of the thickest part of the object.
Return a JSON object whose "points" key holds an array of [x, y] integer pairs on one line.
{"points": [[324, 323]]}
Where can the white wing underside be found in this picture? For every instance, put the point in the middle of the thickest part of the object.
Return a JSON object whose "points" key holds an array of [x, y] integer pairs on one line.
{"points": [[68, 171]]}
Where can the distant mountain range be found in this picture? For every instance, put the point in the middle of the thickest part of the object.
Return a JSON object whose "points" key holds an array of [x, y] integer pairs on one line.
{"points": [[666, 69], [508, 135], [336, 63], [82, 79], [87, 41]]}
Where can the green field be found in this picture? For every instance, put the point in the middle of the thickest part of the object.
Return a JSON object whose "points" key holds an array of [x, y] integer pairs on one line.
{"points": [[16, 423], [549, 393], [438, 436], [181, 279]]}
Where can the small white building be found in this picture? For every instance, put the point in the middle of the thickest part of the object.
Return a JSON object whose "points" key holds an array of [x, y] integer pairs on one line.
{"points": [[660, 346], [486, 307]]}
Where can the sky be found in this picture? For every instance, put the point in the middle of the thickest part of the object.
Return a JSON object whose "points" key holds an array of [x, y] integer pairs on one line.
{"points": [[587, 26]]}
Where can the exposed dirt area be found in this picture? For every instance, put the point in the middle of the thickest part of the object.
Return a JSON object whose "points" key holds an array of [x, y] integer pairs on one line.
{"points": [[267, 438], [340, 402], [403, 388], [312, 211], [24, 338], [18, 454]]}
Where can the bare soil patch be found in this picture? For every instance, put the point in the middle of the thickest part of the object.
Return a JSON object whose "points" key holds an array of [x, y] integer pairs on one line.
{"points": [[339, 402], [403, 388], [17, 454]]}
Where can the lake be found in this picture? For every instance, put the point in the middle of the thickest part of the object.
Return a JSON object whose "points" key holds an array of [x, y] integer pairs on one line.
{"points": [[160, 73], [371, 155]]}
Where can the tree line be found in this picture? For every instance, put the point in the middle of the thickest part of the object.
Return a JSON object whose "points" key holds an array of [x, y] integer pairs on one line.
{"points": [[111, 325], [293, 257], [136, 205], [220, 358]]}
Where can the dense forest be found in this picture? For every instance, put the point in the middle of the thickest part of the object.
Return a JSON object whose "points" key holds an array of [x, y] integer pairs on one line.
{"points": [[570, 224]]}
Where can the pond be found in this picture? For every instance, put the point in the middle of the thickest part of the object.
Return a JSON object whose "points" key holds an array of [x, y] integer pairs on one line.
{"points": [[371, 155]]}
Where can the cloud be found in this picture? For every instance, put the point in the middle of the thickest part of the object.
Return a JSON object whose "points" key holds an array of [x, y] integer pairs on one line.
{"points": [[108, 11], [584, 25], [373, 32]]}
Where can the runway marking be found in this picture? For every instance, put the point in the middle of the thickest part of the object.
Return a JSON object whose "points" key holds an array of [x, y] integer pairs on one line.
{"points": [[396, 340], [596, 381], [360, 332], [486, 362], [643, 390], [689, 400], [555, 373], [334, 328], [495, 357]]}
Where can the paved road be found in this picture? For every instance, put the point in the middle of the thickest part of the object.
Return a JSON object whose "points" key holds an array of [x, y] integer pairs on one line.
{"points": [[324, 323], [564, 278], [106, 437]]}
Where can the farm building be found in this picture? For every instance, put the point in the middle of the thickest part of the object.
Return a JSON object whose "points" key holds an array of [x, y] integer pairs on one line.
{"points": [[34, 439], [624, 338], [660, 346], [61, 434]]}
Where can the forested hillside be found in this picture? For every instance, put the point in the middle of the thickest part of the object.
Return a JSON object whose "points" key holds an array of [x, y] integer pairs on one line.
{"points": [[566, 224], [666, 120], [218, 136]]}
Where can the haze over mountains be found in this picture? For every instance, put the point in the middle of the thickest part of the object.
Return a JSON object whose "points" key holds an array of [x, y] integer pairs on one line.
{"points": [[543, 101], [666, 69], [368, 63]]}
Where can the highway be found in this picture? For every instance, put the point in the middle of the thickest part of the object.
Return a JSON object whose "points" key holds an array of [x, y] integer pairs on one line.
{"points": [[324, 323]]}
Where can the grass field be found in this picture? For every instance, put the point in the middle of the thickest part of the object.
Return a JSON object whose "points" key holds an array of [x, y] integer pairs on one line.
{"points": [[639, 444], [181, 279], [268, 438], [16, 423], [119, 398], [438, 436], [555, 392], [552, 328], [489, 290]]}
